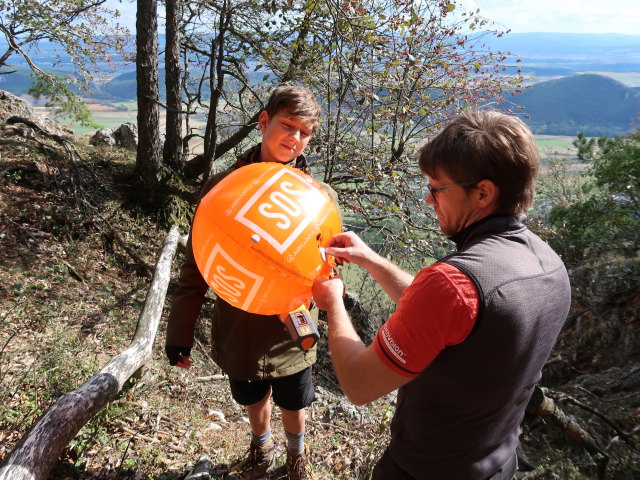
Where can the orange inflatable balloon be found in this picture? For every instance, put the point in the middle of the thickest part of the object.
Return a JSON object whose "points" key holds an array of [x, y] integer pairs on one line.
{"points": [[258, 237]]}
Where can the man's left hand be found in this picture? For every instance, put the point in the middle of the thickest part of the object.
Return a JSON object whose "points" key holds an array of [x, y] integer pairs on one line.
{"points": [[327, 291]]}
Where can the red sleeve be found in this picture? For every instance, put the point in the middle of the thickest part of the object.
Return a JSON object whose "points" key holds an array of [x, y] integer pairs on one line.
{"points": [[437, 310]]}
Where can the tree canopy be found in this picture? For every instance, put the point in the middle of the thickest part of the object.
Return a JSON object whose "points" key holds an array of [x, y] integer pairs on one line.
{"points": [[388, 73], [83, 28], [605, 219]]}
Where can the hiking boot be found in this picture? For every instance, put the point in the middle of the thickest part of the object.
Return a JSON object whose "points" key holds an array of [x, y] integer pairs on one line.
{"points": [[298, 465], [257, 465]]}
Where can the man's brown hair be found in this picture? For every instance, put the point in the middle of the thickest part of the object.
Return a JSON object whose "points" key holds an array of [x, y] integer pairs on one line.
{"points": [[295, 100], [486, 144]]}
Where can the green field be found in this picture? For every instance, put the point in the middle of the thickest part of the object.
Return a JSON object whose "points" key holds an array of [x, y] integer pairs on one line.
{"points": [[630, 79], [554, 145], [105, 116], [114, 115]]}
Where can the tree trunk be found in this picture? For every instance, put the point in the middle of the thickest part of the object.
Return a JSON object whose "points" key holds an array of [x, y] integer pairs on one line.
{"points": [[216, 81], [148, 154], [38, 450], [172, 152]]}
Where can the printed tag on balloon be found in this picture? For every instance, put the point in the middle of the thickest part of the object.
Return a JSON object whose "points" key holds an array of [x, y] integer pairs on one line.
{"points": [[257, 236]]}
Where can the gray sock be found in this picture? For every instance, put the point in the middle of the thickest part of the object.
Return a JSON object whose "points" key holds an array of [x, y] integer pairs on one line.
{"points": [[261, 440], [295, 442]]}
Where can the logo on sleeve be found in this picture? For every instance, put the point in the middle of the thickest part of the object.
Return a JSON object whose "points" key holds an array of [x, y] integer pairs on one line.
{"points": [[392, 346]]}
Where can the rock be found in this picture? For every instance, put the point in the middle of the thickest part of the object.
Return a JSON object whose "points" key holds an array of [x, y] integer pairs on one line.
{"points": [[12, 106], [216, 413], [201, 470], [127, 135], [105, 136], [345, 410]]}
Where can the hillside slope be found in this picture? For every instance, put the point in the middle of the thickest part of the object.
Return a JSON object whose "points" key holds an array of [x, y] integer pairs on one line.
{"points": [[74, 256], [593, 104]]}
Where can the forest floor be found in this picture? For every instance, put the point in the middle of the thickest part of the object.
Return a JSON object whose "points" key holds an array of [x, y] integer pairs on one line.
{"points": [[75, 252]]}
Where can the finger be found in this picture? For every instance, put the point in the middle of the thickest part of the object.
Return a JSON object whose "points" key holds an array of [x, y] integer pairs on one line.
{"points": [[337, 253], [339, 240]]}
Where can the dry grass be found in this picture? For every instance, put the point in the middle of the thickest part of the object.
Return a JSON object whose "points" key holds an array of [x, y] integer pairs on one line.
{"points": [[69, 300]]}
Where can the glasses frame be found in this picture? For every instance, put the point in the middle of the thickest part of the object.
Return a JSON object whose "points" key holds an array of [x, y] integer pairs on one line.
{"points": [[432, 191]]}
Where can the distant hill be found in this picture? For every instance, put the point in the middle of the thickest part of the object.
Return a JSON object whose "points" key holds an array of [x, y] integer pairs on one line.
{"points": [[593, 104], [123, 87], [18, 82], [607, 48], [577, 99], [544, 56]]}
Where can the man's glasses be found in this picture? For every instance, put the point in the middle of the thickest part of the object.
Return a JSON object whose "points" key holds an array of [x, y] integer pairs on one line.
{"points": [[433, 191]]}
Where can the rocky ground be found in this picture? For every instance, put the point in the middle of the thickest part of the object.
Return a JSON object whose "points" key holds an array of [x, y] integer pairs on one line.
{"points": [[75, 253]]}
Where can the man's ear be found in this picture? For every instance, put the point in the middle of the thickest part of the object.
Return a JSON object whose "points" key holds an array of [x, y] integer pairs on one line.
{"points": [[488, 192], [263, 119]]}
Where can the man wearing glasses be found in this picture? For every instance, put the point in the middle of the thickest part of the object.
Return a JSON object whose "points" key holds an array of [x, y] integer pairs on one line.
{"points": [[471, 332]]}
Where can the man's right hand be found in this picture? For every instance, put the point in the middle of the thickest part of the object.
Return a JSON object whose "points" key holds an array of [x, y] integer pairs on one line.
{"points": [[328, 292], [178, 356], [348, 247]]}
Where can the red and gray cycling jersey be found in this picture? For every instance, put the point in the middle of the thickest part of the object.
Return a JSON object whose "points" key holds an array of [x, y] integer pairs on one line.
{"points": [[437, 310]]}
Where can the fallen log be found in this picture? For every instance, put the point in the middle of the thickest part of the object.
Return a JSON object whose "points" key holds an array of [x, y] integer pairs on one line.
{"points": [[37, 451], [545, 407]]}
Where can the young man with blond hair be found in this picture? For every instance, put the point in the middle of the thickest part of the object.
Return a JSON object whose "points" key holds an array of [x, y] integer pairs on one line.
{"points": [[255, 351]]}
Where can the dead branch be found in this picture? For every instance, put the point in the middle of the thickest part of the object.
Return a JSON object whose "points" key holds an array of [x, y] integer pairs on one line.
{"points": [[72, 271], [545, 407], [36, 453], [126, 429], [127, 248], [19, 168], [36, 128], [209, 378], [605, 419], [12, 130]]}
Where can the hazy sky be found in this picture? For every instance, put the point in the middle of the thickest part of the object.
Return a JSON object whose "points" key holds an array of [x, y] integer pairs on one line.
{"points": [[565, 16]]}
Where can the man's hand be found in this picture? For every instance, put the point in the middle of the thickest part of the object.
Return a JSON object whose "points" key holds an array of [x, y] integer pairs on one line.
{"points": [[348, 247], [327, 291], [178, 356]]}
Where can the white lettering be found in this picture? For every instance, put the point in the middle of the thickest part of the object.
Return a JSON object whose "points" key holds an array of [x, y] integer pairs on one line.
{"points": [[286, 188], [286, 221], [228, 284], [286, 203], [391, 344], [304, 200]]}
